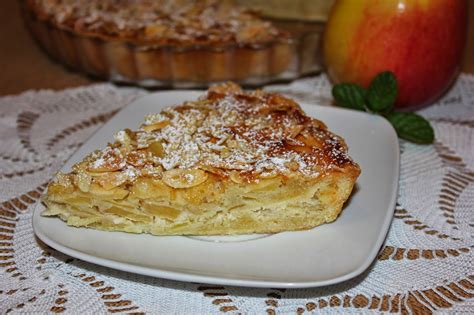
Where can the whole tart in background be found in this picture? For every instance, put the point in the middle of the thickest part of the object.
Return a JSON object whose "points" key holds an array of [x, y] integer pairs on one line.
{"points": [[179, 43]]}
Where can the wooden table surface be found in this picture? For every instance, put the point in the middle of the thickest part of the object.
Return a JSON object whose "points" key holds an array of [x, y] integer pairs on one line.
{"points": [[24, 66]]}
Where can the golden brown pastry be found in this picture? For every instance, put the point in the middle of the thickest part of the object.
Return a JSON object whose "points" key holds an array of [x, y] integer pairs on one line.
{"points": [[229, 163], [159, 42]]}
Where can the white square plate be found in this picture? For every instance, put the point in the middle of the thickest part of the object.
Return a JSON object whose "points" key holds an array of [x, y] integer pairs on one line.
{"points": [[325, 255]]}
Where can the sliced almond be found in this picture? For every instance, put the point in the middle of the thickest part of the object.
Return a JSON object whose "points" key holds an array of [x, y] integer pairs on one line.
{"points": [[137, 158], [111, 161], [295, 130], [225, 152], [309, 140], [232, 144], [83, 181], [152, 171], [214, 170], [268, 174], [236, 178], [179, 178], [59, 189], [109, 167], [147, 188], [280, 103], [156, 126], [292, 165], [125, 137], [63, 179], [156, 148]]}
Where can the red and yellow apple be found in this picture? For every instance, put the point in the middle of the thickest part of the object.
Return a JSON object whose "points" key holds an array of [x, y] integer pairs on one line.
{"points": [[421, 41]]}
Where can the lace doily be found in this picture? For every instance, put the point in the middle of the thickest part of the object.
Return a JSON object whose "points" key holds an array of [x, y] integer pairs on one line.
{"points": [[425, 265]]}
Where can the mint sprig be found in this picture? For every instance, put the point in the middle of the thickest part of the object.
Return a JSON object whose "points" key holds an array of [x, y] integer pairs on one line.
{"points": [[350, 95], [380, 98], [411, 127], [382, 93]]}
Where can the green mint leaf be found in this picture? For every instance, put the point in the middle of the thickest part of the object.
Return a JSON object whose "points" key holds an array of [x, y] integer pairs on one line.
{"points": [[382, 92], [349, 95], [412, 127]]}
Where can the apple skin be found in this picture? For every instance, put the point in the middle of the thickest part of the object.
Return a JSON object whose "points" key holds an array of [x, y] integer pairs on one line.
{"points": [[421, 41]]}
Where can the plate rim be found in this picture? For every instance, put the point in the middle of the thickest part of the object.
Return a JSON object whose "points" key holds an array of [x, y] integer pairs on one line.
{"points": [[222, 280]]}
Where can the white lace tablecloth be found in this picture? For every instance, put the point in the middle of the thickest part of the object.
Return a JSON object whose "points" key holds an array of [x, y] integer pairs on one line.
{"points": [[426, 264]]}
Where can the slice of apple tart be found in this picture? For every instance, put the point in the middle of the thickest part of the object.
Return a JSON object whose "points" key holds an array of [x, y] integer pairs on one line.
{"points": [[229, 163]]}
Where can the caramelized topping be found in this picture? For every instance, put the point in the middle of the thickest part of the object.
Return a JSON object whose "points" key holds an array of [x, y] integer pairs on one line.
{"points": [[160, 21], [228, 133]]}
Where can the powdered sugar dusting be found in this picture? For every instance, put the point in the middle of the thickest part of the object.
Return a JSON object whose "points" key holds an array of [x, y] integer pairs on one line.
{"points": [[98, 163], [257, 134], [121, 136]]}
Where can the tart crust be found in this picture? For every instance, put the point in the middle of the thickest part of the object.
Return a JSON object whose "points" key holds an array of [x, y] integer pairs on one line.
{"points": [[229, 163]]}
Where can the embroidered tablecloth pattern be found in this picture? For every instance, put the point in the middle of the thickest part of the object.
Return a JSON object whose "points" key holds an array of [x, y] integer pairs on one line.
{"points": [[425, 265]]}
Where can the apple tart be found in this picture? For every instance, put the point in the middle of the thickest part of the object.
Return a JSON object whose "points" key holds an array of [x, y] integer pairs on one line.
{"points": [[232, 162], [178, 43]]}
